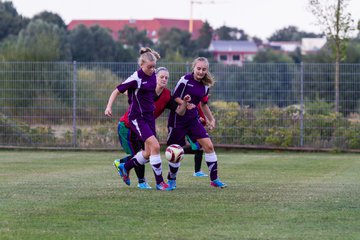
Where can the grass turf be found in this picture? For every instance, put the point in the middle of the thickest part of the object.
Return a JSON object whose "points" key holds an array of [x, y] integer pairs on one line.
{"points": [[271, 195]]}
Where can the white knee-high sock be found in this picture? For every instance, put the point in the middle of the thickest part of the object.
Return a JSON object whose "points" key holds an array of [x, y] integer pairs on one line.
{"points": [[211, 161]]}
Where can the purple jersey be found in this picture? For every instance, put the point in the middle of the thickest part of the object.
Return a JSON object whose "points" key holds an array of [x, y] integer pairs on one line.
{"points": [[141, 93], [197, 90]]}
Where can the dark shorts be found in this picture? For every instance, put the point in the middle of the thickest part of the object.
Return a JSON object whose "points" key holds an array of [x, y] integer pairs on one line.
{"points": [[194, 131], [129, 140], [144, 128]]}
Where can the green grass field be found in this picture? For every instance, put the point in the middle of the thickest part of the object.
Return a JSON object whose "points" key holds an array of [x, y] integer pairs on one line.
{"points": [[271, 195]]}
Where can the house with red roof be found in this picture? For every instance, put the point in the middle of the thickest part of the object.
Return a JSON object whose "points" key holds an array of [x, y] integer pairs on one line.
{"points": [[151, 27]]}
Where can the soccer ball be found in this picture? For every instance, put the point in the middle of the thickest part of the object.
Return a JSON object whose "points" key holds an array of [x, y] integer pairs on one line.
{"points": [[174, 153]]}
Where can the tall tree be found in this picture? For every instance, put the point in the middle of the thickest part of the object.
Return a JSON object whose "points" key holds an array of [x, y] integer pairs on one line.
{"points": [[206, 33], [337, 24], [230, 33], [291, 33], [132, 37], [10, 21], [51, 18], [92, 44], [175, 41], [82, 44], [105, 44], [39, 41]]}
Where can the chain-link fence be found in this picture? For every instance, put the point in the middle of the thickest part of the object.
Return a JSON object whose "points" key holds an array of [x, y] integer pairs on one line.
{"points": [[61, 104]]}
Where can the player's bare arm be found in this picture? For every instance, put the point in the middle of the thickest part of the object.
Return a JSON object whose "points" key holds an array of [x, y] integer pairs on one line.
{"points": [[207, 112], [113, 96]]}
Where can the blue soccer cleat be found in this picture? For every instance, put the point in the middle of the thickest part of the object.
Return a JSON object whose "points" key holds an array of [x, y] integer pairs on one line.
{"points": [[200, 174], [218, 183], [172, 184], [116, 165], [163, 187], [122, 171], [144, 185]]}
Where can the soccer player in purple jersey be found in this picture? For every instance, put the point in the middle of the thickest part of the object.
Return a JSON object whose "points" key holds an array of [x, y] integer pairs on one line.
{"points": [[195, 84], [128, 139], [140, 87]]}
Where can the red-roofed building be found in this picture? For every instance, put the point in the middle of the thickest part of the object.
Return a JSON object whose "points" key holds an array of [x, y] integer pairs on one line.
{"points": [[152, 27]]}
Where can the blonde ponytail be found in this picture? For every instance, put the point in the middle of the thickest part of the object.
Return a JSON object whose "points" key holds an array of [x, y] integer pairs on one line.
{"points": [[148, 55]]}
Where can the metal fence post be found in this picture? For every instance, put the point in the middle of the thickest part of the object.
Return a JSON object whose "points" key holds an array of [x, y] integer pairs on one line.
{"points": [[301, 104], [74, 143]]}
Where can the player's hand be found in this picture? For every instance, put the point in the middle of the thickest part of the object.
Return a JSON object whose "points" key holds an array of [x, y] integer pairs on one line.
{"points": [[211, 124], [190, 106], [187, 98], [108, 112]]}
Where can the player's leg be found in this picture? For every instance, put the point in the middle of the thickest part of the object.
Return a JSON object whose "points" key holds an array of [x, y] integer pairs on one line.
{"points": [[195, 148], [131, 145], [124, 134], [175, 136], [211, 161], [198, 132], [197, 164], [139, 168], [146, 131], [124, 140]]}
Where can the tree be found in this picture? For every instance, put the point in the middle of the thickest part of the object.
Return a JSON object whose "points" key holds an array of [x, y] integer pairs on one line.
{"points": [[353, 52], [39, 41], [229, 33], [132, 37], [175, 42], [124, 54], [291, 33], [92, 44], [104, 43], [50, 17], [82, 44], [257, 41], [10, 21], [270, 56], [336, 23], [205, 37]]}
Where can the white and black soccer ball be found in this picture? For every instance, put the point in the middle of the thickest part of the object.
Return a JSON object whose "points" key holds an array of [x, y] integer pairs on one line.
{"points": [[174, 153]]}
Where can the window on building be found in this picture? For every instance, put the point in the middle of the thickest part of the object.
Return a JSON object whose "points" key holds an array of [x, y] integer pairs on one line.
{"points": [[223, 58], [236, 57]]}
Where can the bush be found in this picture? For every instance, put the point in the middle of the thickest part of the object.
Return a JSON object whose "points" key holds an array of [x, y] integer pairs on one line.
{"points": [[281, 126], [19, 133]]}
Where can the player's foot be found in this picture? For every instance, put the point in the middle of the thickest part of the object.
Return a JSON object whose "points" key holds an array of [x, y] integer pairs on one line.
{"points": [[144, 185], [218, 183], [200, 174], [116, 165], [122, 171], [163, 187], [172, 184]]}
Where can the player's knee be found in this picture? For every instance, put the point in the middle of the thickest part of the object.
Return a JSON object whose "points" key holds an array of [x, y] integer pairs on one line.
{"points": [[155, 148], [208, 147]]}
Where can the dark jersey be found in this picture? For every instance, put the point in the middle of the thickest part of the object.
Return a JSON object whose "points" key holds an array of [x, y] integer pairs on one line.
{"points": [[162, 102], [141, 91], [198, 92]]}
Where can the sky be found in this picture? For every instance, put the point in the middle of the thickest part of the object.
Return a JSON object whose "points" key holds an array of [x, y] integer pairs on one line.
{"points": [[260, 18]]}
